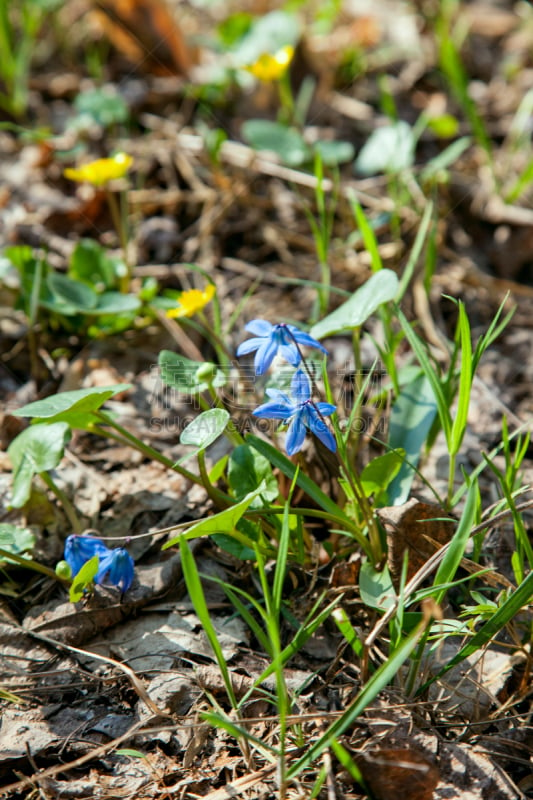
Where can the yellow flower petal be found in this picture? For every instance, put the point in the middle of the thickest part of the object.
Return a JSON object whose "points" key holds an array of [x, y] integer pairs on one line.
{"points": [[102, 170], [270, 67], [192, 301]]}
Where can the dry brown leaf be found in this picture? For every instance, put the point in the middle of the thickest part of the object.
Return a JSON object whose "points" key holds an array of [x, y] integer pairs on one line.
{"points": [[418, 528], [391, 773]]}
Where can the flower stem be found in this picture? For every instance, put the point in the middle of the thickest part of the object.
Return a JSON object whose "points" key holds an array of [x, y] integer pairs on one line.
{"points": [[68, 508]]}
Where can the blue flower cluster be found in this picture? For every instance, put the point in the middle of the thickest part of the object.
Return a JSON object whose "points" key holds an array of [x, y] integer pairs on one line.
{"points": [[115, 566], [300, 411]]}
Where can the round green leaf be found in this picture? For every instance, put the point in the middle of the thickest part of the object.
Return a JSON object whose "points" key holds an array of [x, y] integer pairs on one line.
{"points": [[333, 153], [287, 143], [72, 292], [185, 375], [388, 149], [36, 449], [207, 427], [379, 288]]}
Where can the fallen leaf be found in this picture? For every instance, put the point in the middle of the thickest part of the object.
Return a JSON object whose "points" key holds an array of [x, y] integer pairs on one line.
{"points": [[418, 528]]}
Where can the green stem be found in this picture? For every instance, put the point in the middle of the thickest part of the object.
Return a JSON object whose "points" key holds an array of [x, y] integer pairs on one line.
{"points": [[125, 437], [68, 508], [29, 563], [120, 227]]}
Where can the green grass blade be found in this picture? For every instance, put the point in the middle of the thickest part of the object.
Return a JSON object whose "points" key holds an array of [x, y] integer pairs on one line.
{"points": [[465, 383], [369, 237], [456, 548], [381, 678], [282, 463], [196, 593], [415, 252], [508, 610], [431, 375]]}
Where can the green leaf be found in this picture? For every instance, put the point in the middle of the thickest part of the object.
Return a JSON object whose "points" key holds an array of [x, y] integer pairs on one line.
{"points": [[223, 522], [103, 106], [456, 548], [282, 463], [287, 143], [384, 675], [333, 152], [75, 408], [376, 587], [379, 288], [247, 470], [445, 125], [15, 539], [115, 303], [388, 149], [411, 419], [182, 374], [84, 579], [520, 598], [379, 472], [204, 430], [196, 593], [71, 292], [90, 263], [36, 449], [445, 159]]}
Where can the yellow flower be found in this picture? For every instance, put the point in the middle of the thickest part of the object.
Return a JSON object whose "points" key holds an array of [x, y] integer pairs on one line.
{"points": [[102, 170], [270, 67], [192, 301]]}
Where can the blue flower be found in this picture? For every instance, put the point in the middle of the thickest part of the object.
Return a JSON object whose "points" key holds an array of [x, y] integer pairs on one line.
{"points": [[301, 413], [116, 567], [270, 339], [80, 549]]}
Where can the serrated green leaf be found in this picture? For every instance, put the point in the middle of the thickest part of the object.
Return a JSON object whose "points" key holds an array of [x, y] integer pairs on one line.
{"points": [[379, 288], [36, 449]]}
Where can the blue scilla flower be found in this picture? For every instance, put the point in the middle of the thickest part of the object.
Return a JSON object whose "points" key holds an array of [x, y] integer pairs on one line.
{"points": [[80, 549], [300, 412], [272, 339], [116, 567]]}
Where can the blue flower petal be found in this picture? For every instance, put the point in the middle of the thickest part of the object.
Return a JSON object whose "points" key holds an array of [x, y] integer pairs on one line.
{"points": [[281, 397], [259, 327], [290, 353], [265, 356], [249, 346], [295, 435], [300, 387], [320, 429], [274, 411], [118, 568], [305, 339], [326, 409], [80, 549]]}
